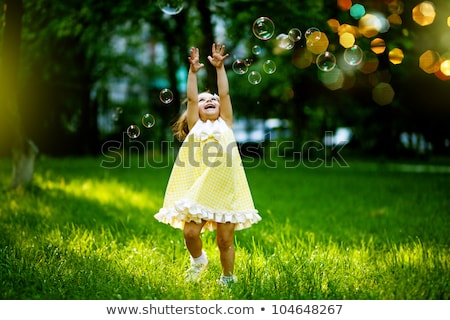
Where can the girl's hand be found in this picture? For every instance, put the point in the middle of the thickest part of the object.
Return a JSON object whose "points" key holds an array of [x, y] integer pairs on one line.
{"points": [[217, 57], [194, 60]]}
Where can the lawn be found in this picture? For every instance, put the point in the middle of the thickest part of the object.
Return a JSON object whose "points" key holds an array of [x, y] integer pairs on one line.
{"points": [[364, 231]]}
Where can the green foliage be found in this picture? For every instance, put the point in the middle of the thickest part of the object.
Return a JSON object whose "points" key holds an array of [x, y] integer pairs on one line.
{"points": [[367, 231]]}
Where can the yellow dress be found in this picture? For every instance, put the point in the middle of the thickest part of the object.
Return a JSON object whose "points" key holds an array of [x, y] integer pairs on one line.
{"points": [[208, 181]]}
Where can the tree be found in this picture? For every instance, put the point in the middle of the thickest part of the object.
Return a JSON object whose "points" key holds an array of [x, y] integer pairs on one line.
{"points": [[24, 150]]}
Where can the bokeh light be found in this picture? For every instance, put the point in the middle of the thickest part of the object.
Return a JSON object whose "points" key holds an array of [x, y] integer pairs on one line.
{"points": [[347, 40], [317, 42], [372, 24], [396, 56], [383, 93], [424, 13], [326, 61], [166, 96], [269, 66], [171, 7], [370, 64], [445, 67], [302, 58], [133, 131], [344, 5], [333, 24], [378, 46], [395, 19], [254, 77], [148, 120], [239, 66], [263, 28], [357, 11], [428, 61]]}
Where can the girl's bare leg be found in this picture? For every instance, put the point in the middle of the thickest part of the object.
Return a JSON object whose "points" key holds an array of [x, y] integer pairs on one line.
{"points": [[225, 242], [192, 238]]}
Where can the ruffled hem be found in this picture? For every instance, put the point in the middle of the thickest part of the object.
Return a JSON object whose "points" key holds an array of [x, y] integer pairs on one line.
{"points": [[185, 211]]}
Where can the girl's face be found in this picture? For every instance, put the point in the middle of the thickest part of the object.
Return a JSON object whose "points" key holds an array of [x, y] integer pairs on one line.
{"points": [[208, 106]]}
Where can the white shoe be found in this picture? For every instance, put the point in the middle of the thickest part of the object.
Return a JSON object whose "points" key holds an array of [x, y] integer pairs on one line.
{"points": [[227, 280], [198, 265], [194, 272]]}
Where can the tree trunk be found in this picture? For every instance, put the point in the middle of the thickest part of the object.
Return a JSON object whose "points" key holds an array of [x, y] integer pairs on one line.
{"points": [[23, 150]]}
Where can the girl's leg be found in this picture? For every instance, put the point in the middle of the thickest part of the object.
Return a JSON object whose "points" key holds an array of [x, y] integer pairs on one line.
{"points": [[225, 242], [191, 232]]}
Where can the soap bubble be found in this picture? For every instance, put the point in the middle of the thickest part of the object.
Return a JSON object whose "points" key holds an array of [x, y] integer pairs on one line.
{"points": [[269, 66], [326, 61], [353, 55], [133, 131], [284, 42], [256, 50], [263, 28], [166, 96], [171, 7], [148, 120], [254, 77], [239, 66], [295, 34], [313, 34]]}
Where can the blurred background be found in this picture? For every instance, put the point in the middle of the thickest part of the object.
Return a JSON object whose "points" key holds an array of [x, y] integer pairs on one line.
{"points": [[78, 74]]}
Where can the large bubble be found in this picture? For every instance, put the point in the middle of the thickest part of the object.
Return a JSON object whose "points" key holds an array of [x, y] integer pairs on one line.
{"points": [[269, 66], [353, 55], [263, 28], [326, 61], [254, 77], [240, 66], [295, 34]]}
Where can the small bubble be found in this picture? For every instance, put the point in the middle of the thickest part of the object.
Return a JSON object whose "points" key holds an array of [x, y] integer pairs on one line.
{"points": [[133, 131], [313, 34], [269, 66], [148, 120], [239, 66], [256, 50], [263, 28], [295, 34], [254, 77], [326, 61], [166, 96]]}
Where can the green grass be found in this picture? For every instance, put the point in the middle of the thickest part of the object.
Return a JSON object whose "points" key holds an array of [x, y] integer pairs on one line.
{"points": [[364, 232]]}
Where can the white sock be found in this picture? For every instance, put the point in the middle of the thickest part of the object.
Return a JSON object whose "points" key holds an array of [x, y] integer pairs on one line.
{"points": [[202, 259]]}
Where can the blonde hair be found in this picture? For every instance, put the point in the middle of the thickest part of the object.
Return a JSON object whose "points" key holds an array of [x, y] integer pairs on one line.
{"points": [[180, 127]]}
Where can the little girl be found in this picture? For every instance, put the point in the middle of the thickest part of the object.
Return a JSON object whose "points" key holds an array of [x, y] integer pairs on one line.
{"points": [[208, 188]]}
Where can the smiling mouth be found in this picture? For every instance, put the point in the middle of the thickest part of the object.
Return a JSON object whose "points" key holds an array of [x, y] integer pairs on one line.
{"points": [[210, 107]]}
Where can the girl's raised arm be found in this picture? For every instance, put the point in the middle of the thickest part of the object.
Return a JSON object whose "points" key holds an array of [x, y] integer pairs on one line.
{"points": [[192, 88], [217, 58]]}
